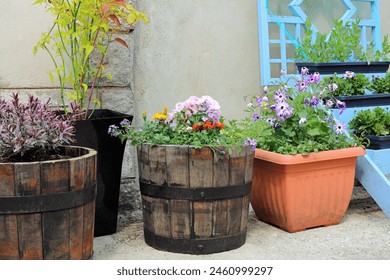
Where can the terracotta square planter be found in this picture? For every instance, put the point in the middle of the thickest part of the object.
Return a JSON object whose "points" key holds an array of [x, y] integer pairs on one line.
{"points": [[297, 192]]}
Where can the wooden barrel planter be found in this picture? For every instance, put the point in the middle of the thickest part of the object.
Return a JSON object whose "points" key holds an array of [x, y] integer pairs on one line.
{"points": [[195, 201], [47, 208]]}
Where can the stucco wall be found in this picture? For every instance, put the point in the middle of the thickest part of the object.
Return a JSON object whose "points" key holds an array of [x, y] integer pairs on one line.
{"points": [[197, 48], [21, 26]]}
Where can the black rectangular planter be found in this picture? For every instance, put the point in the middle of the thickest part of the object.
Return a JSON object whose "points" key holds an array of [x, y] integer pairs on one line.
{"points": [[380, 99], [341, 67], [93, 133], [379, 142]]}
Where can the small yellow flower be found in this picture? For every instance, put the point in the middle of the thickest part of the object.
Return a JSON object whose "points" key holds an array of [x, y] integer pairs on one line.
{"points": [[159, 116], [144, 115]]}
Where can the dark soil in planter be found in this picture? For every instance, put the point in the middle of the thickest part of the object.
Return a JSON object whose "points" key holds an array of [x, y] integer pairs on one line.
{"points": [[37, 155]]}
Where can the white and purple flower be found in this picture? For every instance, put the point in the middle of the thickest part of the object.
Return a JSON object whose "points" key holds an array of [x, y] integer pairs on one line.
{"points": [[251, 142], [339, 127], [304, 71]]}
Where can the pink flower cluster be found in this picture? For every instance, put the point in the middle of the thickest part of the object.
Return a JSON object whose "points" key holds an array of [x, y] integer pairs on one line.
{"points": [[205, 108]]}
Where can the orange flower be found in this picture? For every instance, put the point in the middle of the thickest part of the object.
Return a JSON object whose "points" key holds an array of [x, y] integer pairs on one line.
{"points": [[196, 127], [219, 125], [208, 125]]}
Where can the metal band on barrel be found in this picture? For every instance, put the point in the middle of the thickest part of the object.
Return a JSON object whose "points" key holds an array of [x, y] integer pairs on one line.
{"points": [[195, 194], [46, 203]]}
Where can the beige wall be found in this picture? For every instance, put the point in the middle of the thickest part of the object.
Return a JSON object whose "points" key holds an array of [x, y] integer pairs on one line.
{"points": [[385, 17], [197, 48], [21, 25]]}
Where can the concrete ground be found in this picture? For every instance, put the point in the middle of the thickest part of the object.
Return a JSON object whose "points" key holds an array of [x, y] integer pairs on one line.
{"points": [[363, 234]]}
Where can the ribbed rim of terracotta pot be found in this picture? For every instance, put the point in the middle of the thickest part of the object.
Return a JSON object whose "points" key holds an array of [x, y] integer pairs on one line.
{"points": [[311, 157]]}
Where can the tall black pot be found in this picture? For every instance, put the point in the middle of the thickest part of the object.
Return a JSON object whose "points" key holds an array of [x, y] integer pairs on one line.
{"points": [[93, 133]]}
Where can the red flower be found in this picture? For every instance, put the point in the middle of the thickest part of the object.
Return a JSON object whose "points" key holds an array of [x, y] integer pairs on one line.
{"points": [[219, 125], [196, 127], [208, 125]]}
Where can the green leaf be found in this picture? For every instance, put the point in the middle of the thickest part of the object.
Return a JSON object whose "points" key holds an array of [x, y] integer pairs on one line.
{"points": [[88, 50], [51, 75], [314, 131], [85, 87]]}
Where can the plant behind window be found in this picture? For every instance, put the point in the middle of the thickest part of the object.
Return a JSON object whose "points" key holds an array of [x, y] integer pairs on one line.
{"points": [[343, 42]]}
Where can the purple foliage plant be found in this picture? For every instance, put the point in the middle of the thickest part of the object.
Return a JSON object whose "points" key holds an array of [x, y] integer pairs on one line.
{"points": [[32, 130]]}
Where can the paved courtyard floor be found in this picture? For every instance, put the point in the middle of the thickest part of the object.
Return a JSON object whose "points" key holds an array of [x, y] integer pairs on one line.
{"points": [[363, 234]]}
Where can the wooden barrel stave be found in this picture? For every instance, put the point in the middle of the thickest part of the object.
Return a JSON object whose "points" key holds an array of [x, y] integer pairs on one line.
{"points": [[199, 223], [62, 234]]}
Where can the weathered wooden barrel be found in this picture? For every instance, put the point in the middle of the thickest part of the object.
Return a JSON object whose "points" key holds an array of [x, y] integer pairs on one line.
{"points": [[195, 201], [47, 208]]}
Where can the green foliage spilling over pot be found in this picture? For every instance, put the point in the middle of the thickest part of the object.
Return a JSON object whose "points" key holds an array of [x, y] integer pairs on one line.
{"points": [[380, 84], [374, 121], [349, 84]]}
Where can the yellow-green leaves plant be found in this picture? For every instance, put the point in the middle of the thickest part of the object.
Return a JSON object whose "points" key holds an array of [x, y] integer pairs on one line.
{"points": [[82, 28]]}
